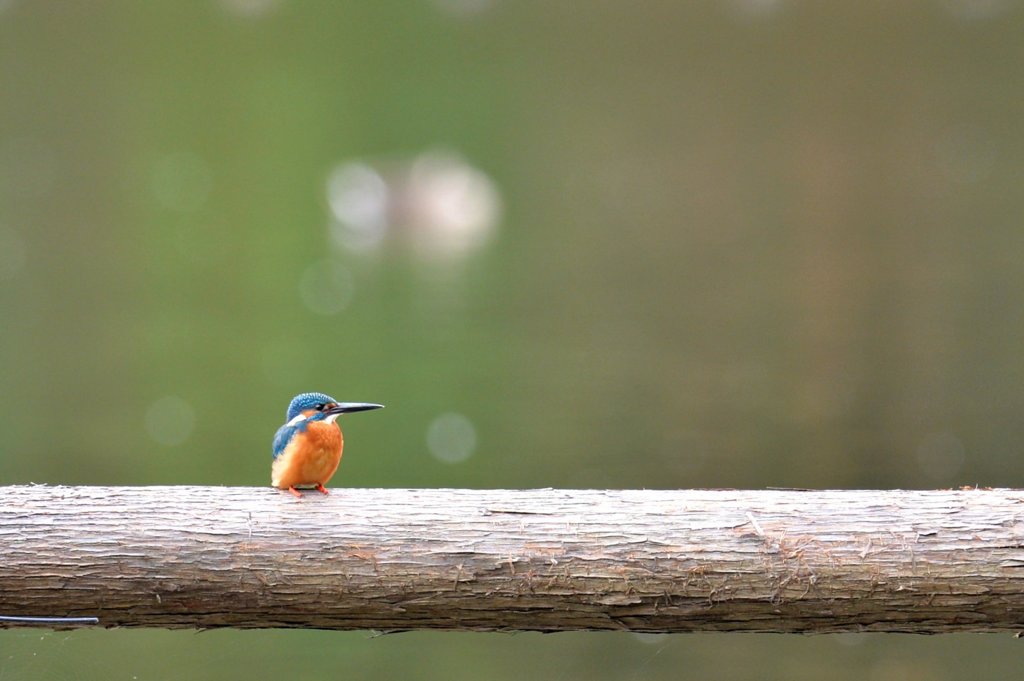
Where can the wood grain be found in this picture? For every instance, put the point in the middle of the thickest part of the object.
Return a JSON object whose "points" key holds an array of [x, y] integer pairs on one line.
{"points": [[547, 560]]}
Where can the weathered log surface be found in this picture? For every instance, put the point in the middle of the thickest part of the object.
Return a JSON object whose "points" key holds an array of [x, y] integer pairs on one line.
{"points": [[549, 560]]}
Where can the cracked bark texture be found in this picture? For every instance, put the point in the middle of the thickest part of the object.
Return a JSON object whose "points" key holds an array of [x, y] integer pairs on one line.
{"points": [[547, 560]]}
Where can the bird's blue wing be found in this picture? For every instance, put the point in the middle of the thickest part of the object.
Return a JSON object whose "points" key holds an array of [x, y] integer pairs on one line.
{"points": [[282, 438]]}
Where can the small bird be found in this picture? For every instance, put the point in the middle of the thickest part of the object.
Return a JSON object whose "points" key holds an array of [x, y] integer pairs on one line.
{"points": [[307, 449]]}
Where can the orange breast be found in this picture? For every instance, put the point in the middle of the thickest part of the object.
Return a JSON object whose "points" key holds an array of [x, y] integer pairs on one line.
{"points": [[310, 458]]}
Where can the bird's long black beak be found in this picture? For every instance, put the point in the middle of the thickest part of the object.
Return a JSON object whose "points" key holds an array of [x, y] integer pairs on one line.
{"points": [[347, 407]]}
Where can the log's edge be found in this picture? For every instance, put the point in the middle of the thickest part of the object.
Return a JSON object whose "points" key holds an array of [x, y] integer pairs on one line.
{"points": [[800, 561]]}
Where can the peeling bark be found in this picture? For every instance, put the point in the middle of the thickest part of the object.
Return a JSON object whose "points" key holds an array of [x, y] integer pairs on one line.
{"points": [[546, 560]]}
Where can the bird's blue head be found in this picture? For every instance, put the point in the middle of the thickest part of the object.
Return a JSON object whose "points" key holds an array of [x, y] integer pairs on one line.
{"points": [[317, 404]]}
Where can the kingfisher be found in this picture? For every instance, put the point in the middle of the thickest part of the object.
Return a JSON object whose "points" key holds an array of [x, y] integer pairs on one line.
{"points": [[307, 449]]}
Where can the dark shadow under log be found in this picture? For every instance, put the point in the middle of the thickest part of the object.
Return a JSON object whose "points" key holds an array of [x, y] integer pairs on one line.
{"points": [[546, 560]]}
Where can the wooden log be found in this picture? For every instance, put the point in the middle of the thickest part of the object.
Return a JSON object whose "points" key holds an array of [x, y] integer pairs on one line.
{"points": [[545, 560]]}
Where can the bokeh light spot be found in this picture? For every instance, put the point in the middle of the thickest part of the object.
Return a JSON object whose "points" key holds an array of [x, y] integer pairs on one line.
{"points": [[451, 438], [755, 9], [458, 205], [13, 253], [976, 10], [249, 9], [435, 206], [358, 197], [182, 182], [170, 420], [463, 8], [326, 287]]}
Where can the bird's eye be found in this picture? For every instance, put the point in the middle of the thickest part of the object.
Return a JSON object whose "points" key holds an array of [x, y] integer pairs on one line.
{"points": [[320, 407]]}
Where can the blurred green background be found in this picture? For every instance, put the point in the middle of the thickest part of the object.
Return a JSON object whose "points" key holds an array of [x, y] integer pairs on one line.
{"points": [[741, 243]]}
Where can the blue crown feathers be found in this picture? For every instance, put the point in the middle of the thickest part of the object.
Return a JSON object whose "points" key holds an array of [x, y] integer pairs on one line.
{"points": [[301, 403]]}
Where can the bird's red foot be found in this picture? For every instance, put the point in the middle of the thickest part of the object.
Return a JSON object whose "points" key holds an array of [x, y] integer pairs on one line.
{"points": [[296, 492], [320, 488]]}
